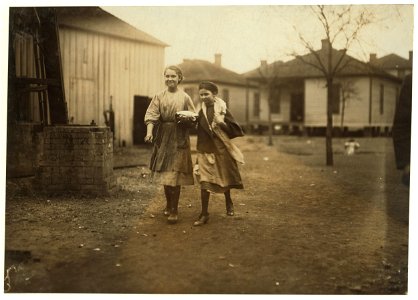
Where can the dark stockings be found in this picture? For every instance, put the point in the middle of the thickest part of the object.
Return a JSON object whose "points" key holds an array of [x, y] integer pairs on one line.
{"points": [[228, 201], [172, 195], [204, 196], [167, 192], [175, 193]]}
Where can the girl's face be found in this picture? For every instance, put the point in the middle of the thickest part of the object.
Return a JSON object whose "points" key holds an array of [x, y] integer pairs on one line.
{"points": [[171, 79], [206, 96]]}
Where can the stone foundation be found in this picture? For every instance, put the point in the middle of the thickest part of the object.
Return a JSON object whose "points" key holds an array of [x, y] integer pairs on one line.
{"points": [[76, 158], [23, 149]]}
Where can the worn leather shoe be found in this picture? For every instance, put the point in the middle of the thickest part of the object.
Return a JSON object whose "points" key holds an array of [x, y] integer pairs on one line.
{"points": [[203, 219], [172, 218]]}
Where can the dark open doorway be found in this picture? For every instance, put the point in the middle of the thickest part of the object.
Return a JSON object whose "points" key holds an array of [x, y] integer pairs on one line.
{"points": [[140, 107], [297, 108]]}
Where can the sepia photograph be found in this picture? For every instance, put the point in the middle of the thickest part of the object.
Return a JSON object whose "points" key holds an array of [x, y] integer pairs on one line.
{"points": [[220, 148]]}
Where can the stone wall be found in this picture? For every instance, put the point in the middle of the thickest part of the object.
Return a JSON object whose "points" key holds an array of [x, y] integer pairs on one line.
{"points": [[23, 149], [76, 158]]}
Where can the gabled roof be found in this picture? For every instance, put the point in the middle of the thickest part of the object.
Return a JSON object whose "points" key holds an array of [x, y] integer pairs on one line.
{"points": [[301, 67], [96, 19], [392, 61], [196, 70], [264, 70]]}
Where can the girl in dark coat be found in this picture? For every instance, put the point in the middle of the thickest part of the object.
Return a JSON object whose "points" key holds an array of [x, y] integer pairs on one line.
{"points": [[217, 168]]}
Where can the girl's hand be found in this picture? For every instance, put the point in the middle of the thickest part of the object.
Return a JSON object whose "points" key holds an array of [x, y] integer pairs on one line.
{"points": [[148, 138], [196, 170]]}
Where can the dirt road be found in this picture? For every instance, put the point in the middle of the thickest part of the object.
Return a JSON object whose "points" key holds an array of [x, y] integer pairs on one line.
{"points": [[299, 228]]}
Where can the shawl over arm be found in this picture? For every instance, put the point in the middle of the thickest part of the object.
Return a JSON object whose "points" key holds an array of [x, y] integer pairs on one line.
{"points": [[231, 126]]}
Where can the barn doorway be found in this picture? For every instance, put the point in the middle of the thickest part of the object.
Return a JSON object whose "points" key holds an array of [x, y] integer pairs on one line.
{"points": [[141, 104]]}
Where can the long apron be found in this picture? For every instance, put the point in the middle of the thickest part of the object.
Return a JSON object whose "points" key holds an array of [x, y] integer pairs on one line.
{"points": [[171, 160]]}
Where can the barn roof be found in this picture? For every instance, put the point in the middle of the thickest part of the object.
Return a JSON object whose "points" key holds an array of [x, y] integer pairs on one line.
{"points": [[196, 70], [97, 20]]}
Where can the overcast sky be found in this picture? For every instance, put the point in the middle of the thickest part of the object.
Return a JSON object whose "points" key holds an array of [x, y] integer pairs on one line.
{"points": [[244, 35]]}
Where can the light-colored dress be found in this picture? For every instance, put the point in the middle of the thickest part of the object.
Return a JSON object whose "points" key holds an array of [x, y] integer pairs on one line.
{"points": [[171, 161]]}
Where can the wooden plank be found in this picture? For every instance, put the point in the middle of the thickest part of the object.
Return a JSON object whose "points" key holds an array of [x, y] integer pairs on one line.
{"points": [[49, 43]]}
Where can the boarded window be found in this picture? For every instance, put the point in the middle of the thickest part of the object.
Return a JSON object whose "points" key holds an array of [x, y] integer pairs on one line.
{"points": [[336, 98], [275, 101], [382, 98], [256, 105]]}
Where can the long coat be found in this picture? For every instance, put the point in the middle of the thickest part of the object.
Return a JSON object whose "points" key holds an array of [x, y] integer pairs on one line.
{"points": [[205, 141], [218, 170]]}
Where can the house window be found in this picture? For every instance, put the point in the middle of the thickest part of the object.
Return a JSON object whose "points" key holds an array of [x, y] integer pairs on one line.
{"points": [[382, 98], [225, 96], [336, 97], [256, 105], [275, 101]]}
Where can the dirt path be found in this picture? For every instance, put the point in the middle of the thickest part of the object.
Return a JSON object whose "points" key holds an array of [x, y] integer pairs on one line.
{"points": [[299, 228]]}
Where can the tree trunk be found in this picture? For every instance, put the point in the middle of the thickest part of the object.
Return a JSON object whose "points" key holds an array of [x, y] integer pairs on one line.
{"points": [[342, 115], [270, 142], [328, 139]]}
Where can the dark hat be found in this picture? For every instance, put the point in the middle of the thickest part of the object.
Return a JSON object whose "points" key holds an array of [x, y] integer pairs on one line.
{"points": [[210, 86]]}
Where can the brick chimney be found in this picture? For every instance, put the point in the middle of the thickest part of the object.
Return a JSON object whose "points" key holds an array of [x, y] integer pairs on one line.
{"points": [[218, 59], [410, 56], [326, 45], [372, 57], [263, 63]]}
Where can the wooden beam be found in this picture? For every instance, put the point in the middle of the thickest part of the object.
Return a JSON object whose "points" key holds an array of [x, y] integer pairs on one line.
{"points": [[50, 50]]}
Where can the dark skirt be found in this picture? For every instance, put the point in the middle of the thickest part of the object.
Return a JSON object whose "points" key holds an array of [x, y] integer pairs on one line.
{"points": [[171, 160]]}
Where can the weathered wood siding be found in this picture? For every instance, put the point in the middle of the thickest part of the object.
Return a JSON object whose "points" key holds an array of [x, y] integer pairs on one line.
{"points": [[25, 67], [315, 102], [356, 112], [99, 70], [390, 92]]}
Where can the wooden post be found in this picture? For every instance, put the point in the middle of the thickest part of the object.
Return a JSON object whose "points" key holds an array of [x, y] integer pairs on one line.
{"points": [[50, 48]]}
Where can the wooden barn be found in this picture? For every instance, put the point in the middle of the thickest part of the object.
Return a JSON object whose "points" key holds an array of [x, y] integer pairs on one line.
{"points": [[107, 66], [364, 96], [76, 66]]}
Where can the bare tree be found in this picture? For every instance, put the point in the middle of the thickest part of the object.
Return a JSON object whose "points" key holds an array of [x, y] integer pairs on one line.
{"points": [[268, 76], [341, 25]]}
